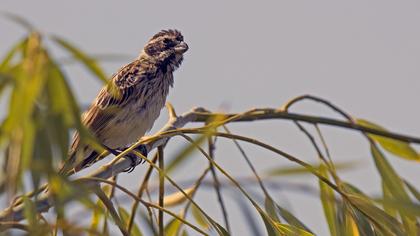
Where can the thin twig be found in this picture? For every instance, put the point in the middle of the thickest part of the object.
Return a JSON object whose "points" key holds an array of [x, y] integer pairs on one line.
{"points": [[161, 189], [330, 165], [278, 114], [324, 144], [236, 183], [201, 115], [196, 185], [268, 147], [149, 204], [113, 212], [13, 225], [211, 148], [320, 100], [144, 185], [248, 161], [151, 212]]}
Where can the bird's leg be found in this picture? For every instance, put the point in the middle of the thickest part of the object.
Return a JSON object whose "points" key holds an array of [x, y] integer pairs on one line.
{"points": [[134, 158], [115, 152]]}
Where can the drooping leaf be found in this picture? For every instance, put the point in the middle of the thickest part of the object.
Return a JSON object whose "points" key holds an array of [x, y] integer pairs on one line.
{"points": [[280, 171], [379, 216], [409, 208], [364, 225], [328, 202], [396, 147], [270, 208], [220, 230], [178, 197], [17, 48], [290, 230], [30, 211], [110, 207], [172, 228], [30, 80], [387, 196], [413, 190], [18, 20], [291, 219], [96, 217], [65, 105], [395, 186], [5, 80], [274, 210], [199, 218], [270, 226]]}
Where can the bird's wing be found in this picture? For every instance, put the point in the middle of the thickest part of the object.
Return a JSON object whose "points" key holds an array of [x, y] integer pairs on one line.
{"points": [[110, 99], [114, 96], [121, 86]]}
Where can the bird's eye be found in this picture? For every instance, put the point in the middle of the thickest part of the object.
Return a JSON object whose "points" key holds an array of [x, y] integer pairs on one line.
{"points": [[168, 42]]}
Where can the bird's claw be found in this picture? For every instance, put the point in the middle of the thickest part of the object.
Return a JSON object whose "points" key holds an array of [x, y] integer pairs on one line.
{"points": [[135, 159]]}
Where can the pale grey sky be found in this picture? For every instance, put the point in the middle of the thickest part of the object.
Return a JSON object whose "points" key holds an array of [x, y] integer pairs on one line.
{"points": [[362, 55]]}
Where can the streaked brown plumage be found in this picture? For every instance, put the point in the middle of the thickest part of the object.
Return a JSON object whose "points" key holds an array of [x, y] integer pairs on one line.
{"points": [[118, 119]]}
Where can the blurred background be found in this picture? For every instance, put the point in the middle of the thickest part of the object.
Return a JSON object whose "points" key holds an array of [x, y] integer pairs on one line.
{"points": [[361, 55]]}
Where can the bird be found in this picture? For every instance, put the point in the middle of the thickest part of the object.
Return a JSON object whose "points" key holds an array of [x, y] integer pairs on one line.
{"points": [[127, 107]]}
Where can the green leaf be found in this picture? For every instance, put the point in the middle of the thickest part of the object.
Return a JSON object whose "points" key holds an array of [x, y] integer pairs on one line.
{"points": [[270, 207], [328, 202], [396, 147], [5, 80], [29, 211], [19, 47], [297, 228], [219, 229], [280, 171], [395, 186], [96, 217], [172, 228], [271, 228], [290, 230], [199, 218], [29, 85], [87, 61], [365, 227], [377, 215], [63, 102], [413, 190], [407, 207], [125, 217], [110, 207], [388, 174], [291, 219], [346, 223], [387, 196], [18, 20], [178, 198]]}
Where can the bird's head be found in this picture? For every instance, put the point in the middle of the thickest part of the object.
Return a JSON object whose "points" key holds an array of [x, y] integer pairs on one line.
{"points": [[166, 48]]}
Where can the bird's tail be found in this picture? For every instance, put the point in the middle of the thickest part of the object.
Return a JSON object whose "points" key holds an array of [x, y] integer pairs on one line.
{"points": [[78, 159], [67, 167]]}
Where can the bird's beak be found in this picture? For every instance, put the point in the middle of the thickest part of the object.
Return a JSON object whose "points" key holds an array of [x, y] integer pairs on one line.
{"points": [[181, 48]]}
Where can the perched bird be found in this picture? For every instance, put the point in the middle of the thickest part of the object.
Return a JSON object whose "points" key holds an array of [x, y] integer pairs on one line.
{"points": [[126, 108]]}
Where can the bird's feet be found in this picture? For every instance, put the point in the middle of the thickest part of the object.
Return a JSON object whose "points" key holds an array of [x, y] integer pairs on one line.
{"points": [[135, 160]]}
